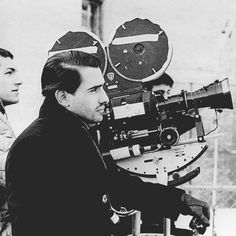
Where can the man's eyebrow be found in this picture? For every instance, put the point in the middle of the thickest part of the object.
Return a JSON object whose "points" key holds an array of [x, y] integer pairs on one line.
{"points": [[95, 87], [11, 68]]}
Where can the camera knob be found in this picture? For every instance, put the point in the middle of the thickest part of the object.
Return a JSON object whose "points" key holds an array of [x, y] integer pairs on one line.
{"points": [[169, 136]]}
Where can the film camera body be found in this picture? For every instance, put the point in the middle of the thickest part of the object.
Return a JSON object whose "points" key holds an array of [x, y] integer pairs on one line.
{"points": [[138, 131]]}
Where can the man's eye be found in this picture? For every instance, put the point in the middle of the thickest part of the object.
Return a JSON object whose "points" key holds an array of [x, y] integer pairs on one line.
{"points": [[93, 89], [159, 92], [9, 72]]}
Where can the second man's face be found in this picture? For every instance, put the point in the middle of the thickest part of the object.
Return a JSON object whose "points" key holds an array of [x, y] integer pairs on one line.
{"points": [[9, 81], [162, 89], [90, 98]]}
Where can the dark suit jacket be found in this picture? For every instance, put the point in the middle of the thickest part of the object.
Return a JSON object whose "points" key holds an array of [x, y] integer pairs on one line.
{"points": [[56, 181]]}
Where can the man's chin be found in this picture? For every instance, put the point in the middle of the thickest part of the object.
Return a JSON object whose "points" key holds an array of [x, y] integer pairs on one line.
{"points": [[12, 102], [98, 119]]}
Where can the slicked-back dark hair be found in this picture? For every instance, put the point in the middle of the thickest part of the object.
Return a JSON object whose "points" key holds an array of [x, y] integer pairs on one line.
{"points": [[5, 53], [163, 79], [61, 71]]}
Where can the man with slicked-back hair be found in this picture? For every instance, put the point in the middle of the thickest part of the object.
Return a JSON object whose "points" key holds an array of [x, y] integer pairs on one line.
{"points": [[57, 182]]}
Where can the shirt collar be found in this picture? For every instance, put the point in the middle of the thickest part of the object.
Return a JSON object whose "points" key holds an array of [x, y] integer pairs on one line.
{"points": [[2, 109]]}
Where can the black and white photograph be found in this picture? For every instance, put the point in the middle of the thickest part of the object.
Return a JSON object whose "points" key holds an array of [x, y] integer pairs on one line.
{"points": [[117, 117]]}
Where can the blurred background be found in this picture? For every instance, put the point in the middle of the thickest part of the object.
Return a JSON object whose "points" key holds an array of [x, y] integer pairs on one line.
{"points": [[203, 36]]}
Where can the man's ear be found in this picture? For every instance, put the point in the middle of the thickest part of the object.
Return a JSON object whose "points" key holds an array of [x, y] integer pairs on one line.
{"points": [[62, 98]]}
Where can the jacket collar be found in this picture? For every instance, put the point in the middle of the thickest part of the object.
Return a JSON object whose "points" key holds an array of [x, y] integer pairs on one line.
{"points": [[51, 109]]}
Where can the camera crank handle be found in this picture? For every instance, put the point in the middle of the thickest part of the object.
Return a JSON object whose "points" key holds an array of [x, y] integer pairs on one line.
{"points": [[186, 178]]}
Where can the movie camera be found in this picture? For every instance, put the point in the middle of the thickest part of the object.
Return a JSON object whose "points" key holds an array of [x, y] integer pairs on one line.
{"points": [[139, 131], [142, 122]]}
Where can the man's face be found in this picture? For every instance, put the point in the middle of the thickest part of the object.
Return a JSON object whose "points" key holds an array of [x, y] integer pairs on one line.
{"points": [[9, 82], [90, 98], [162, 89]]}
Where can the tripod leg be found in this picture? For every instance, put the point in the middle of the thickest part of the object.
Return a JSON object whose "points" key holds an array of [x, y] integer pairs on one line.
{"points": [[136, 223], [162, 178]]}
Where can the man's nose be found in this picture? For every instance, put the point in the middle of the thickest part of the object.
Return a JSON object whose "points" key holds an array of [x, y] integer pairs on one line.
{"points": [[17, 80], [104, 97], [165, 95]]}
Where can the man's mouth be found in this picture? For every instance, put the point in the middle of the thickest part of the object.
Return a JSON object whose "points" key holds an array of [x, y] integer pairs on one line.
{"points": [[101, 110]]}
